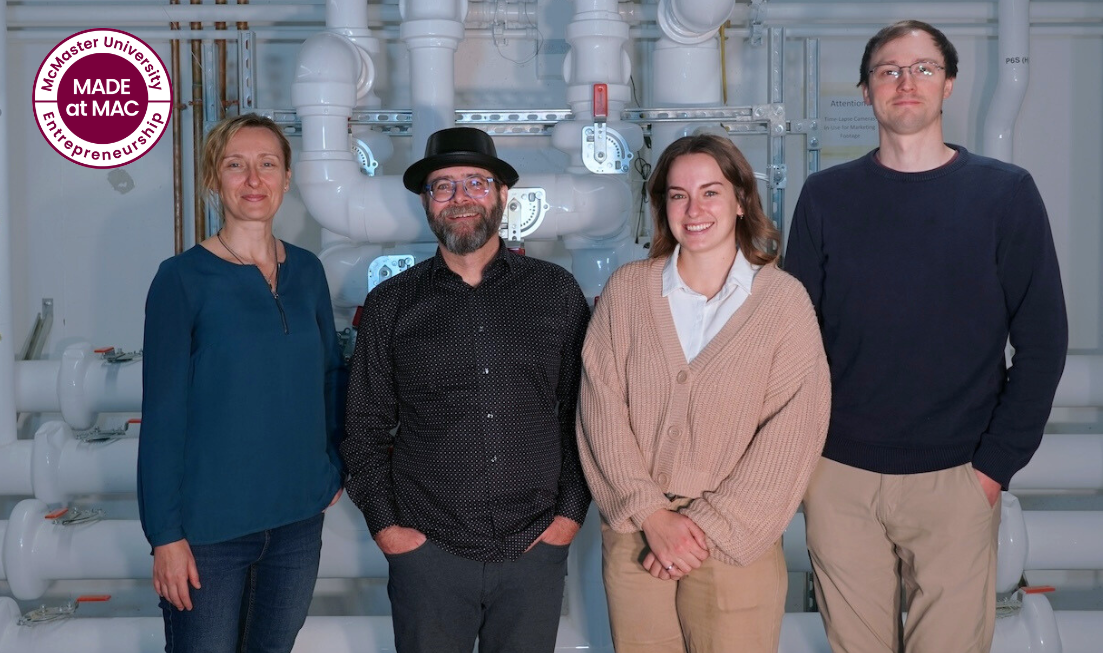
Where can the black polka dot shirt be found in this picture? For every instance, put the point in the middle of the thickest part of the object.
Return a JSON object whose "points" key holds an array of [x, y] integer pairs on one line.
{"points": [[461, 405]]}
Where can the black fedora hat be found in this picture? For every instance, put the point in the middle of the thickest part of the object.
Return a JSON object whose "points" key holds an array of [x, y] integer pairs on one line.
{"points": [[458, 146]]}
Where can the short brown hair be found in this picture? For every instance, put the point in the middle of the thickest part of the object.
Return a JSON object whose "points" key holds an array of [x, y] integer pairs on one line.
{"points": [[214, 146], [755, 234], [903, 28]]}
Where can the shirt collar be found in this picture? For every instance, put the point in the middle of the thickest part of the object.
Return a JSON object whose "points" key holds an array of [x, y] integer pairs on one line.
{"points": [[503, 256], [740, 275]]}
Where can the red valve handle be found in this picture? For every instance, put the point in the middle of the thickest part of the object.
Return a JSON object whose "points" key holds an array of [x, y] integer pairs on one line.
{"points": [[601, 102]]}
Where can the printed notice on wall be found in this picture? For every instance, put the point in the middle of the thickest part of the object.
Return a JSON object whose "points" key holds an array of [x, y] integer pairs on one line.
{"points": [[847, 128]]}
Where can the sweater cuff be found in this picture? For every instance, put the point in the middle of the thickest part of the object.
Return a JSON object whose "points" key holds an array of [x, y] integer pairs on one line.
{"points": [[640, 516], [994, 464]]}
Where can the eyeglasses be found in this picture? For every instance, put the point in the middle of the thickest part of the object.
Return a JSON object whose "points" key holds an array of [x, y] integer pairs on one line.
{"points": [[476, 187], [891, 72]]}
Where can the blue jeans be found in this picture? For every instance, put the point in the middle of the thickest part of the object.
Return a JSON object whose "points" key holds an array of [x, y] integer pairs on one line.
{"points": [[440, 603], [255, 592]]}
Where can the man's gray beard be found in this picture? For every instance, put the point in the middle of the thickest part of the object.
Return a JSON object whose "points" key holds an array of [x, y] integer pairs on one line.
{"points": [[459, 243]]}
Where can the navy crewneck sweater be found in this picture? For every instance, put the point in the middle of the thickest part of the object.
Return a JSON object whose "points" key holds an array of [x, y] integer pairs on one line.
{"points": [[918, 280]]}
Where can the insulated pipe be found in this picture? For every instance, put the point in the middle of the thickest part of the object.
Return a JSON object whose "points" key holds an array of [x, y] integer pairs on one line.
{"points": [[1081, 383], [64, 467], [1014, 61], [1035, 629], [79, 386], [432, 31], [1045, 540], [15, 466], [37, 551], [1064, 462]]}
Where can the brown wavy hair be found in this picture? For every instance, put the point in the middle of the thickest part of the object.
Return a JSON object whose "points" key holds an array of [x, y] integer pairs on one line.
{"points": [[755, 234], [214, 146]]}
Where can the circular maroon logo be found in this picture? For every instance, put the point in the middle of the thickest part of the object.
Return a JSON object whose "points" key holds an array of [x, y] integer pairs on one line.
{"points": [[102, 98]]}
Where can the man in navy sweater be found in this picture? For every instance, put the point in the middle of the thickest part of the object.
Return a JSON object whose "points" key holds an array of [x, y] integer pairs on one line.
{"points": [[922, 259]]}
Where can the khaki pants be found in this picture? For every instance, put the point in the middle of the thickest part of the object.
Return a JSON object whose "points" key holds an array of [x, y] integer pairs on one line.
{"points": [[717, 608], [933, 534]]}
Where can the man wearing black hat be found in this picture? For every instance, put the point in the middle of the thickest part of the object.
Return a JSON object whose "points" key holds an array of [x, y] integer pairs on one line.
{"points": [[460, 437]]}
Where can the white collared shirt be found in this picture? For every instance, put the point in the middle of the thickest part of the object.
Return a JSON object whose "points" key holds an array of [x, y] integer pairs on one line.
{"points": [[697, 318]]}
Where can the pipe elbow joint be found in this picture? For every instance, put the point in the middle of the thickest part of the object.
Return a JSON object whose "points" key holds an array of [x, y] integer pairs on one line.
{"points": [[326, 186], [330, 72], [693, 21]]}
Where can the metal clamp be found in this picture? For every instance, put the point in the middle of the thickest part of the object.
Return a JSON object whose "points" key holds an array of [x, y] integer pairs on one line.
{"points": [[97, 434], [112, 355], [43, 614], [778, 175], [76, 516]]}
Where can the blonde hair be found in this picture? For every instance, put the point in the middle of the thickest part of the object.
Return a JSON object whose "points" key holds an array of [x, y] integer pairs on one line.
{"points": [[214, 147]]}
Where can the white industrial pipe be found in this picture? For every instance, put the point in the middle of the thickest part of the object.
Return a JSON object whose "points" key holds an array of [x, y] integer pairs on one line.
{"points": [[1014, 66], [36, 551], [693, 21], [432, 31], [685, 63], [1081, 383], [1036, 628], [1064, 462], [64, 467], [597, 35], [79, 386], [15, 465], [481, 14], [484, 13]]}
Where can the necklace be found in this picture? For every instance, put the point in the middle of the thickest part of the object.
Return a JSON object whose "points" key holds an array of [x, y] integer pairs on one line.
{"points": [[268, 278]]}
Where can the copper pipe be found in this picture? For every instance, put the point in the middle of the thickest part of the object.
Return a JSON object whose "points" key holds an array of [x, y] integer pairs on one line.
{"points": [[197, 129], [243, 25], [177, 151]]}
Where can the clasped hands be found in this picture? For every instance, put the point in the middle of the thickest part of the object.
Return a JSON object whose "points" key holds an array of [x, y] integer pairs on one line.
{"points": [[677, 545]]}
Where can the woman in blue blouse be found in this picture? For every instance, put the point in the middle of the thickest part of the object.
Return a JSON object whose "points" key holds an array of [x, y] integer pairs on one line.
{"points": [[238, 452]]}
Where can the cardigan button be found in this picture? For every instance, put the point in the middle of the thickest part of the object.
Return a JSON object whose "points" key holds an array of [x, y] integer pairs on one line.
{"points": [[663, 480], [682, 376], [675, 432]]}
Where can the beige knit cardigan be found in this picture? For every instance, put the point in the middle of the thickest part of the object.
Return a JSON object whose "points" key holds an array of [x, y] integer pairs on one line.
{"points": [[738, 430]]}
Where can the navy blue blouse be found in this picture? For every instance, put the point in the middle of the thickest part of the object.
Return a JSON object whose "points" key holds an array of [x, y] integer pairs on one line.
{"points": [[240, 404]]}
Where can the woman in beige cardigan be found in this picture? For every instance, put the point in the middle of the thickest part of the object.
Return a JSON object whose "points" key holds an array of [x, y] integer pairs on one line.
{"points": [[704, 406]]}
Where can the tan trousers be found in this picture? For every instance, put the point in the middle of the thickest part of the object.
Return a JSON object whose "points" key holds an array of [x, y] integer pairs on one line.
{"points": [[718, 608], [933, 534]]}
